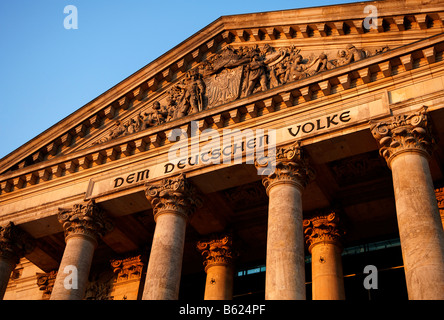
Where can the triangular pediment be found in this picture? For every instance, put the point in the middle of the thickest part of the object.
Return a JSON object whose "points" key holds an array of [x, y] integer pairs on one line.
{"points": [[231, 60]]}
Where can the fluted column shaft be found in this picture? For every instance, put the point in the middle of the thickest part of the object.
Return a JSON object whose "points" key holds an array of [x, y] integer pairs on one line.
{"points": [[173, 201], [285, 265], [322, 234], [83, 226], [406, 144], [14, 244], [218, 264]]}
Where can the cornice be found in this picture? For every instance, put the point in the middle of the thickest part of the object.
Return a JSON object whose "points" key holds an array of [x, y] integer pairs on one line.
{"points": [[281, 99]]}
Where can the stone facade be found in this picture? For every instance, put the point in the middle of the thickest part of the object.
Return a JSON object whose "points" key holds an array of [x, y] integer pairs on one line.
{"points": [[270, 139]]}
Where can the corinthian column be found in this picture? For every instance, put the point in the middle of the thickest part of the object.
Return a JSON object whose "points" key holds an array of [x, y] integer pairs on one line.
{"points": [[218, 265], [14, 244], [83, 226], [322, 235], [173, 201], [406, 144], [285, 266]]}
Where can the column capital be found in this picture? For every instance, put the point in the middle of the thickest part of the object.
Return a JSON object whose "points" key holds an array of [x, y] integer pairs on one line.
{"points": [[290, 166], [410, 132], [217, 250], [87, 220], [173, 195], [323, 227], [45, 282], [128, 268], [14, 243]]}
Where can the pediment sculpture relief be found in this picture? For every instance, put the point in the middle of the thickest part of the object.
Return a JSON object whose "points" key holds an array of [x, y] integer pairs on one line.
{"points": [[233, 74]]}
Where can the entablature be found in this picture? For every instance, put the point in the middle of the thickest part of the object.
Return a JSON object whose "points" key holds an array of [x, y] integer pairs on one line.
{"points": [[316, 92]]}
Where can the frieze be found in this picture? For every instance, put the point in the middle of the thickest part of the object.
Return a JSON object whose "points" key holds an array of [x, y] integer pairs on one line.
{"points": [[235, 150]]}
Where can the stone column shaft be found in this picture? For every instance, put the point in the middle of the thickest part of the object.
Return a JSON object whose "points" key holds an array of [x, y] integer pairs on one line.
{"points": [[323, 234], [173, 201], [219, 283], [79, 252], [285, 265], [285, 262], [6, 267], [83, 226], [406, 144], [327, 275], [420, 227], [165, 263]]}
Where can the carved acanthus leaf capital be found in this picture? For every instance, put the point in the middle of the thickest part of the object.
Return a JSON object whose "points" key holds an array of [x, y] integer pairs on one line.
{"points": [[128, 268], [290, 165], [173, 195], [407, 132], [323, 227], [45, 282], [14, 242], [217, 251], [88, 220]]}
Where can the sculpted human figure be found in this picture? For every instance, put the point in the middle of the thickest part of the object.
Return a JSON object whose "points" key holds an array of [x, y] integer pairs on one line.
{"points": [[296, 69], [118, 130], [342, 58], [255, 74], [192, 99], [157, 116], [353, 54], [319, 64]]}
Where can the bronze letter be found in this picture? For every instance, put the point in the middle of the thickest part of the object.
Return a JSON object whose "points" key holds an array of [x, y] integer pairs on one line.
{"points": [[168, 166], [118, 182], [294, 134], [330, 121], [345, 116]]}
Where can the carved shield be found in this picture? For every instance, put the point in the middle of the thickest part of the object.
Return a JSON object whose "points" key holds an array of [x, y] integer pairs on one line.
{"points": [[224, 86]]}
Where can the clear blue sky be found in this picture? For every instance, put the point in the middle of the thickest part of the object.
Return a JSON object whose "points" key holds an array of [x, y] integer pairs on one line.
{"points": [[48, 72]]}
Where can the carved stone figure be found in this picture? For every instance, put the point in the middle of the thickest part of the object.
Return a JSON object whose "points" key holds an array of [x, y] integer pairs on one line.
{"points": [[352, 54], [157, 116], [193, 90], [296, 69], [117, 131], [255, 75], [319, 64]]}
